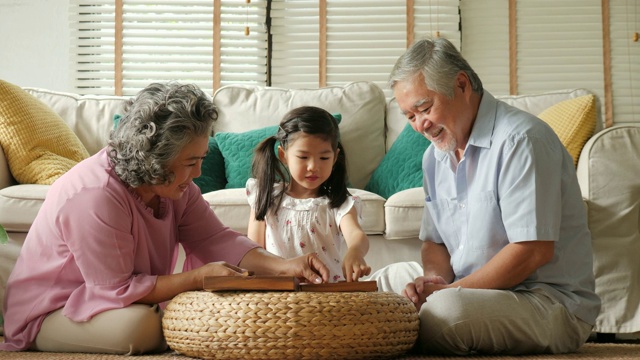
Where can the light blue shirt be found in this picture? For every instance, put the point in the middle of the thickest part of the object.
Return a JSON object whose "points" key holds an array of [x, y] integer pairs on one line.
{"points": [[515, 182]]}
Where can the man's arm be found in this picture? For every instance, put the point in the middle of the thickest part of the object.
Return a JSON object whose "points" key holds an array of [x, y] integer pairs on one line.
{"points": [[509, 267], [436, 261]]}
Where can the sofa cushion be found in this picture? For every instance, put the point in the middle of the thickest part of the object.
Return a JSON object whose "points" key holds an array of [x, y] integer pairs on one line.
{"points": [[212, 176], [37, 143], [573, 120], [403, 214], [361, 104], [401, 167], [19, 205], [90, 117], [237, 151]]}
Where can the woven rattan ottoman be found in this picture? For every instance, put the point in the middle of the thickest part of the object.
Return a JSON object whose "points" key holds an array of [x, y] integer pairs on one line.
{"points": [[290, 325]]}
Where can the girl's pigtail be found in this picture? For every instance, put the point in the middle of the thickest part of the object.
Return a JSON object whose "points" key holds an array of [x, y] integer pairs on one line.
{"points": [[335, 187], [266, 168]]}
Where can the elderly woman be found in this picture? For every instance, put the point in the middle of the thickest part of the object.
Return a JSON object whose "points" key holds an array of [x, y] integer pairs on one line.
{"points": [[100, 254]]}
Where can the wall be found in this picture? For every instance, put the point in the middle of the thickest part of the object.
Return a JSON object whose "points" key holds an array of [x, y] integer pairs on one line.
{"points": [[34, 43]]}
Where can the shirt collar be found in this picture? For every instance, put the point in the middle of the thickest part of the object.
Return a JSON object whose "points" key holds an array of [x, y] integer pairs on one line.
{"points": [[483, 125], [485, 120]]}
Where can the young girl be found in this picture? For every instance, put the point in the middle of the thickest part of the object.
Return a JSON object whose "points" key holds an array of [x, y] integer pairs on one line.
{"points": [[299, 199]]}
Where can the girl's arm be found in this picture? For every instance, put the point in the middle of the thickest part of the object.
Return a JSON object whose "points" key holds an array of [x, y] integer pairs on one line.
{"points": [[256, 230], [354, 266]]}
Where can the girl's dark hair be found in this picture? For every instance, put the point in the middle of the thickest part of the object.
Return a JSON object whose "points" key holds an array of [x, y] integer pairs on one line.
{"points": [[267, 168]]}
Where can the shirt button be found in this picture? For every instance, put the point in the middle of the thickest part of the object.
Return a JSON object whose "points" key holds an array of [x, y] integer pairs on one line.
{"points": [[461, 206]]}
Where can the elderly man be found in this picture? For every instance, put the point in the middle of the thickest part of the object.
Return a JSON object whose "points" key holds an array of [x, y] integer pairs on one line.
{"points": [[507, 257]]}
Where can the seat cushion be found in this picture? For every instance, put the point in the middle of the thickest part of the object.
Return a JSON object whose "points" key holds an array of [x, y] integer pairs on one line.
{"points": [[19, 205], [403, 214], [38, 144]]}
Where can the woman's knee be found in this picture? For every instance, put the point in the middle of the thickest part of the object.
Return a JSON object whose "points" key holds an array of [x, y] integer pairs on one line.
{"points": [[134, 329], [142, 331]]}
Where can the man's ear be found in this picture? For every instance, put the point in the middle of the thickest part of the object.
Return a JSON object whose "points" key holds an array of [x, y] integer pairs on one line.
{"points": [[282, 155], [462, 81]]}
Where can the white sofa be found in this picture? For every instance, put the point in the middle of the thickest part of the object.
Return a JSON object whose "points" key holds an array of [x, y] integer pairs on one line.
{"points": [[369, 127]]}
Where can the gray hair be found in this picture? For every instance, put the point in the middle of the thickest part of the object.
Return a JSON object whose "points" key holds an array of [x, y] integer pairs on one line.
{"points": [[439, 62], [156, 125]]}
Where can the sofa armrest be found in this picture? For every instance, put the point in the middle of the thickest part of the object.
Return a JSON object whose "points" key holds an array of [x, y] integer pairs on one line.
{"points": [[403, 214], [607, 171]]}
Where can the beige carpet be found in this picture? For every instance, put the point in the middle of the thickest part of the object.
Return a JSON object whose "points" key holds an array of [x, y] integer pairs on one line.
{"points": [[587, 352]]}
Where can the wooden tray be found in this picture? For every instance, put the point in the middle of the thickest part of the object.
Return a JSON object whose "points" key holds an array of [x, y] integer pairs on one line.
{"points": [[281, 283]]}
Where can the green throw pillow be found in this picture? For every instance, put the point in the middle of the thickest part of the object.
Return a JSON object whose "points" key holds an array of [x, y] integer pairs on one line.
{"points": [[401, 167], [116, 120], [213, 172], [237, 151]]}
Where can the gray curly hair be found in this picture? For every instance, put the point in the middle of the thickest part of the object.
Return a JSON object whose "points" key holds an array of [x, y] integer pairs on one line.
{"points": [[439, 61], [156, 125]]}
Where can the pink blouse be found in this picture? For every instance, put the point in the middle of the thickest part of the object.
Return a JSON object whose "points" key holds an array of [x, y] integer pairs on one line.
{"points": [[95, 246]]}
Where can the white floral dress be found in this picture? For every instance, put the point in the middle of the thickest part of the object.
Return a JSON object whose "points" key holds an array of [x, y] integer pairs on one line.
{"points": [[304, 226]]}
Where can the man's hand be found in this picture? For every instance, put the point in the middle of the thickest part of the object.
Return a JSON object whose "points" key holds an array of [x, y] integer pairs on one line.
{"points": [[423, 286]]}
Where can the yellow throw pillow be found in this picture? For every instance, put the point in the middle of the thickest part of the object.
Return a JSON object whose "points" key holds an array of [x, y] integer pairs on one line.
{"points": [[38, 144], [574, 121]]}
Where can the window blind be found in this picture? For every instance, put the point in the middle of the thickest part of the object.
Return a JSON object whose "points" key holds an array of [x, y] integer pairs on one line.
{"points": [[166, 40], [559, 48], [295, 43], [363, 38], [558, 45], [485, 42], [625, 63]]}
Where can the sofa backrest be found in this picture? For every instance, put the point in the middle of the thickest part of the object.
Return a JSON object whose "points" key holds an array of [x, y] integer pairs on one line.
{"points": [[361, 104], [369, 124], [90, 117]]}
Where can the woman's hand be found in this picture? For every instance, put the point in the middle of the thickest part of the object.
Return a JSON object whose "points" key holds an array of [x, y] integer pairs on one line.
{"points": [[307, 268], [219, 268], [168, 286], [354, 266]]}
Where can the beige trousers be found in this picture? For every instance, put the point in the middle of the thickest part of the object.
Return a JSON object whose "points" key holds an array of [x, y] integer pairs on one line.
{"points": [[468, 321], [135, 329]]}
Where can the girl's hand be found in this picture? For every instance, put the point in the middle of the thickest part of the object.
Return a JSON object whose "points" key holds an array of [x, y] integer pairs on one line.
{"points": [[354, 266]]}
